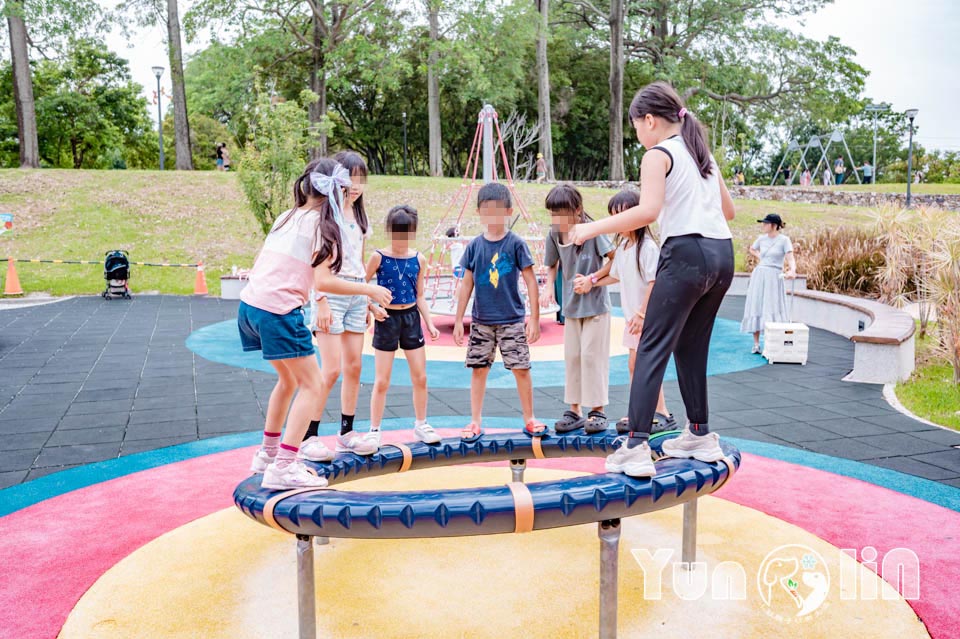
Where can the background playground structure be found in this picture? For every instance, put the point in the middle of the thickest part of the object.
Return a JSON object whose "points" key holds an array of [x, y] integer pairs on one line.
{"points": [[185, 217]]}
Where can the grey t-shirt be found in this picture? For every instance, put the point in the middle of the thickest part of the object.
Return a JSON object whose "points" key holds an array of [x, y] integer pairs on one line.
{"points": [[583, 262], [773, 250]]}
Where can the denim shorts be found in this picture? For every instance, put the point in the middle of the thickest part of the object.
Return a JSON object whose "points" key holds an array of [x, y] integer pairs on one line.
{"points": [[278, 336], [349, 311]]}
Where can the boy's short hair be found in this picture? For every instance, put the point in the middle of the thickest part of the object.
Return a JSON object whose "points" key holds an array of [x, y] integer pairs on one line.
{"points": [[494, 192]]}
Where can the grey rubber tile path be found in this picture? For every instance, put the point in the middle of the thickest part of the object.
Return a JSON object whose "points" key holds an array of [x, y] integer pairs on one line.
{"points": [[85, 380]]}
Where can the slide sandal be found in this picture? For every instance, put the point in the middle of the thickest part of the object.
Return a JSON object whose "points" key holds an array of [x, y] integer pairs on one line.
{"points": [[569, 422], [534, 428], [471, 433], [596, 422]]}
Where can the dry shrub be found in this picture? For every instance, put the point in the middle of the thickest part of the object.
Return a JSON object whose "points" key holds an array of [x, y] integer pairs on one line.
{"points": [[842, 260]]}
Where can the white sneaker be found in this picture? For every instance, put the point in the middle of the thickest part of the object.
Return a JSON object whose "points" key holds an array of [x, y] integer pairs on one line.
{"points": [[425, 433], [374, 436], [293, 475], [313, 449], [354, 442], [636, 461], [260, 462], [705, 448]]}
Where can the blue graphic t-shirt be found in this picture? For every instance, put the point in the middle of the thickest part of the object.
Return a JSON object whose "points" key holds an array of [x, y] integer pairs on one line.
{"points": [[496, 270]]}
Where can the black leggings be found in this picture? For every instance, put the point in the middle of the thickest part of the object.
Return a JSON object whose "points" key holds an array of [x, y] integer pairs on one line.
{"points": [[693, 275]]}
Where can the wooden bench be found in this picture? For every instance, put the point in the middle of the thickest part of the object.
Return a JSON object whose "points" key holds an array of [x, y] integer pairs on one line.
{"points": [[883, 336]]}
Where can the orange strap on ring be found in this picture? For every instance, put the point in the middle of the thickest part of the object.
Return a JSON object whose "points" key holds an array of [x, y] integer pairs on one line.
{"points": [[271, 504], [522, 506], [536, 444], [407, 457]]}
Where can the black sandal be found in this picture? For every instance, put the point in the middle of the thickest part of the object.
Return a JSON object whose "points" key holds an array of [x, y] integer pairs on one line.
{"points": [[569, 422], [663, 423], [596, 422]]}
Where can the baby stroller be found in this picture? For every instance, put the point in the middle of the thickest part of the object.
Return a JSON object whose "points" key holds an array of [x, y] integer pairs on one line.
{"points": [[116, 270]]}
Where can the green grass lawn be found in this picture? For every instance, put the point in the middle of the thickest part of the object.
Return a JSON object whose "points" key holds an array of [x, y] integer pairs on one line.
{"points": [[181, 217], [930, 391], [925, 188]]}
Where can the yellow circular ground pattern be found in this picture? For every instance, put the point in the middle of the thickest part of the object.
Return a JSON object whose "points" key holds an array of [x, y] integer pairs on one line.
{"points": [[226, 576]]}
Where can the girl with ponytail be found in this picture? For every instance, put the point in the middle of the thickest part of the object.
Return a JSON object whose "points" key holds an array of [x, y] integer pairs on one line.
{"points": [[681, 189], [302, 250]]}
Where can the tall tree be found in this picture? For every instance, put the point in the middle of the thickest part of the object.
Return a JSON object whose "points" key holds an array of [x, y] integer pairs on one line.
{"points": [[543, 86], [166, 13], [435, 143], [22, 86], [616, 89]]}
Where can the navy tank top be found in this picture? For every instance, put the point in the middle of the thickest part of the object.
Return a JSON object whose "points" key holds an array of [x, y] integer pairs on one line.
{"points": [[399, 274]]}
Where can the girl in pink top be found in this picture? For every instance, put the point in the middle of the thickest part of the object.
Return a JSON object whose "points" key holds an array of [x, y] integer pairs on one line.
{"points": [[302, 250]]}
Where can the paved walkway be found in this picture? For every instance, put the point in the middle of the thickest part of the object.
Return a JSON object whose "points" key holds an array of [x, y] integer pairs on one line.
{"points": [[85, 380]]}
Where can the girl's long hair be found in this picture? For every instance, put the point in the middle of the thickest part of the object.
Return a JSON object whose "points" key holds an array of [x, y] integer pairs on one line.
{"points": [[328, 231], [627, 199], [353, 163], [660, 99]]}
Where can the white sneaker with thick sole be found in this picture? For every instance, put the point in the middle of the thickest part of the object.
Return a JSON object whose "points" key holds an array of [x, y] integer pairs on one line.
{"points": [[357, 443], [635, 462], [313, 449], [260, 462], [425, 433], [292, 476], [374, 436], [705, 448]]}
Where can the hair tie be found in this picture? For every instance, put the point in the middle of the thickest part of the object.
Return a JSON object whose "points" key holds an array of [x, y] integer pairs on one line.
{"points": [[682, 113], [332, 186]]}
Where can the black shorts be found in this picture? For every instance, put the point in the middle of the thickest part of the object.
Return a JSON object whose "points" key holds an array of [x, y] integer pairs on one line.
{"points": [[401, 329]]}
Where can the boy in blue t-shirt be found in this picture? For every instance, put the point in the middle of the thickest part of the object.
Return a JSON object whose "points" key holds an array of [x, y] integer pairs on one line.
{"points": [[492, 264]]}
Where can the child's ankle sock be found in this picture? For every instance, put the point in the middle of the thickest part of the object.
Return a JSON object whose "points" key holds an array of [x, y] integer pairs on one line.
{"points": [[312, 429], [699, 429], [286, 455], [636, 439], [346, 423], [419, 422], [271, 443]]}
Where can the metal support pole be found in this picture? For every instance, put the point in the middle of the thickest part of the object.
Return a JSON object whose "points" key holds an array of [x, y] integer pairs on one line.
{"points": [[517, 466], [874, 177], [160, 122], [487, 114], [910, 165], [322, 541], [688, 553], [404, 142], [609, 533], [306, 590]]}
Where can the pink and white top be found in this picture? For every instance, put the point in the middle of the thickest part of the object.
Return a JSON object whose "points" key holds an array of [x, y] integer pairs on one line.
{"points": [[282, 276]]}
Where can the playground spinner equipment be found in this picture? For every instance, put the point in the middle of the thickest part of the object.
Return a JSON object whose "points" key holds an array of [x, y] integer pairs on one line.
{"points": [[444, 277], [516, 507]]}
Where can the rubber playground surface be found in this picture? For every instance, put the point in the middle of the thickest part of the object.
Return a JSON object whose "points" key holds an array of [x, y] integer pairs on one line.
{"points": [[108, 532]]}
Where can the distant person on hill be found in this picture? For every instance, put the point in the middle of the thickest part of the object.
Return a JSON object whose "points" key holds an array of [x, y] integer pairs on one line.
{"points": [[806, 179], [867, 169], [541, 168], [839, 169], [827, 177], [225, 155], [219, 155]]}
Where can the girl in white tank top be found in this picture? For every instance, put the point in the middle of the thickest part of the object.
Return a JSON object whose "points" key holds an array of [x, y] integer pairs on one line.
{"points": [[683, 190]]}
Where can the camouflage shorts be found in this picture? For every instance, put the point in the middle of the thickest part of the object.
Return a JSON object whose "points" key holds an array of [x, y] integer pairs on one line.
{"points": [[511, 338]]}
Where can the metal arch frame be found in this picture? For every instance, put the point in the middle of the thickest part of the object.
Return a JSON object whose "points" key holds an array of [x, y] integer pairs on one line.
{"points": [[515, 448], [837, 136]]}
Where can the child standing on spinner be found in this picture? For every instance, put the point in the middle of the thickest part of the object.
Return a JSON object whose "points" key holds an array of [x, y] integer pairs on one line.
{"points": [[302, 249], [494, 262], [401, 269], [683, 189], [342, 320], [586, 329], [635, 268]]}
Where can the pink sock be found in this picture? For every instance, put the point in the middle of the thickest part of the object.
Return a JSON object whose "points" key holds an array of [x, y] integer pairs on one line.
{"points": [[271, 442], [286, 455]]}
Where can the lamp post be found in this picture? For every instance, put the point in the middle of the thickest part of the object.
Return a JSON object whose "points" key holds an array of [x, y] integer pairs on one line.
{"points": [[875, 109], [404, 142], [911, 114], [158, 71]]}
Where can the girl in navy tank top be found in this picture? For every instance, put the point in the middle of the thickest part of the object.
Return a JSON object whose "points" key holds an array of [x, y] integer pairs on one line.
{"points": [[401, 270]]}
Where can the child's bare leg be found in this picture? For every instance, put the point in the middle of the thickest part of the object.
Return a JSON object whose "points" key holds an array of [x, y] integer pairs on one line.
{"points": [[525, 390], [478, 387], [417, 362], [280, 398], [352, 362], [329, 347], [662, 404], [309, 400], [378, 397]]}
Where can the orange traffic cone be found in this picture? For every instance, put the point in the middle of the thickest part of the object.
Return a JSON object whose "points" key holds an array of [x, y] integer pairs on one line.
{"points": [[12, 285], [200, 287]]}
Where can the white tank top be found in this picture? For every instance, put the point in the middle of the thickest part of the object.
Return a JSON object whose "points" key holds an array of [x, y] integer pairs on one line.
{"points": [[691, 203]]}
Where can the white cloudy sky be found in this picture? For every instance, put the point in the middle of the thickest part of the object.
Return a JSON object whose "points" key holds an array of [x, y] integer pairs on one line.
{"points": [[912, 50]]}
